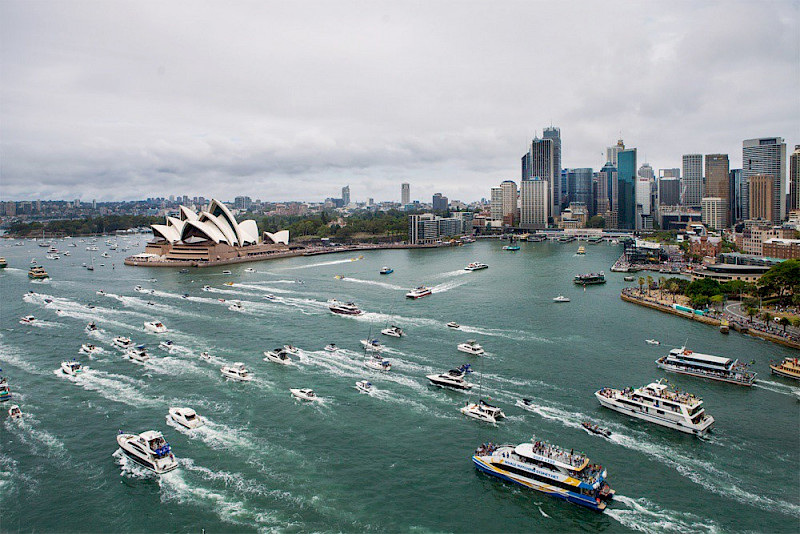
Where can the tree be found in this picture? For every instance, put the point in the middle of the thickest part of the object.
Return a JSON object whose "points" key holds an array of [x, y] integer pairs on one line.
{"points": [[767, 317], [641, 283], [596, 222], [662, 282], [717, 300], [649, 284], [750, 311], [703, 286], [673, 288], [699, 302], [784, 322], [781, 279]]}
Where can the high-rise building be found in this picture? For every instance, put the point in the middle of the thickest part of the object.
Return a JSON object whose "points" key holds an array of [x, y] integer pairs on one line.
{"points": [[612, 151], [509, 213], [669, 173], [738, 196], [496, 204], [645, 179], [439, 202], [579, 186], [646, 171], [669, 191], [626, 194], [535, 199], [761, 190], [607, 186], [538, 163], [692, 180], [405, 194], [94, 204], [767, 156], [718, 182], [346, 195], [714, 210], [554, 134], [242, 203], [794, 180]]}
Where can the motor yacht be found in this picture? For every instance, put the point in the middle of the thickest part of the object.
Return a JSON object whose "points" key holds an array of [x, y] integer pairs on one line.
{"points": [[652, 342], [139, 289], [88, 348], [138, 354], [5, 390], [331, 348], [91, 327], [205, 355], [687, 362], [269, 297], [561, 298], [476, 266], [278, 355], [148, 449], [71, 368], [343, 308], [237, 371], [419, 292], [28, 319], [156, 327], [249, 270], [291, 349], [166, 345], [393, 331], [471, 347], [15, 412], [305, 394], [236, 306], [595, 429], [453, 324], [482, 411], [378, 364], [186, 417], [372, 345], [364, 386], [453, 379], [386, 270], [206, 288]]}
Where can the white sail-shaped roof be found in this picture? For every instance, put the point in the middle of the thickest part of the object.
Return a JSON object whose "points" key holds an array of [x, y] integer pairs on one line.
{"points": [[186, 214], [222, 225], [249, 232], [279, 237], [205, 228], [168, 232]]}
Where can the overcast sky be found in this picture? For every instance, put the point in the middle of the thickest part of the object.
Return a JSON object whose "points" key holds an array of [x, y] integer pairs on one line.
{"points": [[292, 100]]}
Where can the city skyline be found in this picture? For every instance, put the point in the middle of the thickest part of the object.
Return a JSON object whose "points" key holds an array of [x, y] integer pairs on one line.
{"points": [[140, 107]]}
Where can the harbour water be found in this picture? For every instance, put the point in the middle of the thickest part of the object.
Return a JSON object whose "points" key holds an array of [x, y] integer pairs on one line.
{"points": [[398, 459]]}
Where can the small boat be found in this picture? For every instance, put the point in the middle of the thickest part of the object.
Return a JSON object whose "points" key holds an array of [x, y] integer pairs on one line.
{"points": [[166, 345], [483, 411], [393, 331], [372, 345], [386, 270], [628, 278], [105, 255], [100, 292], [526, 402], [205, 355], [331, 348], [269, 297], [138, 354], [88, 348], [306, 394], [140, 289], [148, 449], [185, 296], [364, 386], [291, 349], [471, 347], [249, 270], [206, 288], [237, 371], [561, 298], [91, 327], [156, 327], [236, 306], [594, 429], [476, 266], [185, 417], [14, 412], [419, 292], [226, 272], [184, 271], [652, 342], [378, 364], [453, 324], [28, 319], [228, 283], [5, 390], [71, 368], [511, 248], [278, 355], [122, 342], [581, 250]]}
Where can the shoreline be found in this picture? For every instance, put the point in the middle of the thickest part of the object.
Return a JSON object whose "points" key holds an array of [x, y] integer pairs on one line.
{"points": [[709, 320]]}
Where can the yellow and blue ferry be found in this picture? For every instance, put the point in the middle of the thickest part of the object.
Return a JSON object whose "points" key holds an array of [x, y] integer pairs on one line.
{"points": [[547, 468]]}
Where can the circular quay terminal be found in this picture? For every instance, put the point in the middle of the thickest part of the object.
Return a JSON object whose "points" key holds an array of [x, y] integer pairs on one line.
{"points": [[400, 267]]}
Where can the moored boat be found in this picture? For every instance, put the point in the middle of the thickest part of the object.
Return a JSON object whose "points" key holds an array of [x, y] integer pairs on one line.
{"points": [[687, 362]]}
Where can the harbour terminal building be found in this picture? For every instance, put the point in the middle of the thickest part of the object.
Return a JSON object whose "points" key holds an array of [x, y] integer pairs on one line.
{"points": [[208, 237]]}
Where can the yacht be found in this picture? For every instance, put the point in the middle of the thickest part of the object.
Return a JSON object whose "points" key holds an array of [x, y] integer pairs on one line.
{"points": [[655, 403], [28, 319], [237, 371], [5, 391], [205, 355], [561, 298], [687, 362], [483, 411], [37, 273], [548, 468], [278, 355], [386, 270], [71, 368], [138, 354], [581, 250], [476, 266], [372, 345], [364, 386], [343, 308], [378, 364], [590, 278], [236, 306], [331, 347], [148, 449], [471, 347], [393, 331], [88, 348], [788, 368], [206, 288], [139, 289], [305, 394], [291, 349], [166, 345], [453, 379], [453, 324], [269, 296], [652, 342], [249, 270], [419, 292], [14, 412], [186, 417], [156, 327], [595, 429]]}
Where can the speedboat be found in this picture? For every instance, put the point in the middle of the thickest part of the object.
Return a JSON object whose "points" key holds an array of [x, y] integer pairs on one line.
{"points": [[291, 349], [5, 391], [454, 378], [28, 319], [91, 327], [186, 417], [393, 331], [386, 270], [278, 355], [364, 386], [331, 348], [138, 354], [166, 345], [453, 324], [100, 292], [228, 283], [185, 296], [205, 355], [471, 347], [378, 364], [483, 411], [594, 429], [372, 345], [122, 342], [249, 270], [226, 271], [14, 412], [71, 368], [237, 371], [236, 306], [652, 342], [140, 289], [156, 327], [206, 288], [305, 394], [343, 308], [561, 298], [419, 292], [269, 297], [88, 348], [148, 449], [476, 266]]}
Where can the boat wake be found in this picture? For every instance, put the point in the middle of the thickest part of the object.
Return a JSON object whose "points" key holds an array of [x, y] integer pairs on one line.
{"points": [[776, 387], [319, 264], [645, 516], [373, 283], [39, 442], [113, 387], [447, 286]]}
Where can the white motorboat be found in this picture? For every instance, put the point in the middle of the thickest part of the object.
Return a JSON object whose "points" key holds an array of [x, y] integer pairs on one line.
{"points": [[278, 355], [476, 266], [305, 394], [166, 345], [205, 355], [66, 253], [378, 364], [652, 342], [483, 411], [148, 449], [122, 342], [88, 348], [52, 256], [269, 297], [249, 270], [156, 327], [140, 289], [393, 331], [28, 319], [237, 371], [138, 354], [100, 292], [105, 255], [419, 292], [454, 378], [206, 288], [561, 298], [236, 306], [364, 386], [343, 308], [291, 349], [186, 417], [453, 324], [91, 327], [71, 368], [471, 347], [15, 412], [372, 345], [331, 348], [226, 271]]}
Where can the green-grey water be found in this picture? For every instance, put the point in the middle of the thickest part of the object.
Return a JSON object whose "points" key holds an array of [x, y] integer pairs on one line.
{"points": [[400, 458]]}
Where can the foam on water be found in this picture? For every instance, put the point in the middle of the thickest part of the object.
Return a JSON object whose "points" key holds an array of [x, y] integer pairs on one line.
{"points": [[39, 442], [448, 285], [374, 283], [645, 516], [319, 264], [776, 387], [113, 387]]}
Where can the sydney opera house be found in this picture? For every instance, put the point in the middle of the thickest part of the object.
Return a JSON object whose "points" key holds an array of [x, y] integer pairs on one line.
{"points": [[209, 237]]}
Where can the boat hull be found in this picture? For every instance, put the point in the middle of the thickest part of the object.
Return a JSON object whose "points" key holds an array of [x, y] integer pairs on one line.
{"points": [[780, 372], [655, 419]]}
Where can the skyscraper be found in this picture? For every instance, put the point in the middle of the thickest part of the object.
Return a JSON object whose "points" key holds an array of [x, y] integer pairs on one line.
{"points": [[669, 191], [718, 182], [496, 204], [346, 195], [794, 180], [738, 196], [439, 202], [553, 133], [626, 194], [612, 151], [645, 178], [509, 189], [535, 200], [405, 194], [692, 180], [538, 163], [713, 211], [761, 190], [607, 185], [579, 186], [767, 156]]}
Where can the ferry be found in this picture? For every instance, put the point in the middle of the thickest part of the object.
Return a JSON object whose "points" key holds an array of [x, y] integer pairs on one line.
{"points": [[687, 362], [343, 308], [655, 403], [38, 273], [419, 292], [789, 368], [581, 250], [590, 278], [548, 468], [724, 327], [476, 266]]}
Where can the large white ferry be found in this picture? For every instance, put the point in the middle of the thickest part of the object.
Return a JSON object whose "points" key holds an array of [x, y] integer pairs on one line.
{"points": [[547, 468], [692, 363], [419, 292], [657, 404]]}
